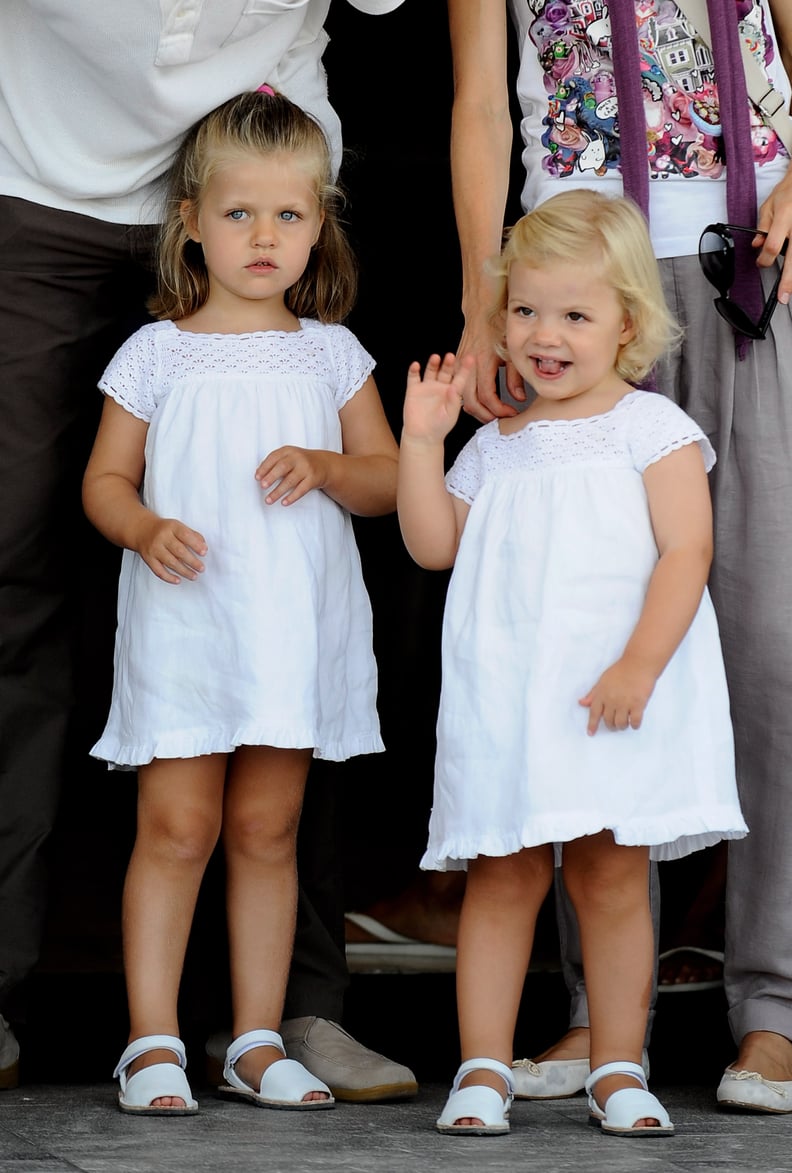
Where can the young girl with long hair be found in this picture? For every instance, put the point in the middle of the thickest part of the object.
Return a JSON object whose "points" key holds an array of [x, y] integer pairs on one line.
{"points": [[239, 432], [584, 711]]}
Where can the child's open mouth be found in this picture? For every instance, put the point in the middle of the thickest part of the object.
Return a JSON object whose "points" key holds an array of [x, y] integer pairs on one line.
{"points": [[549, 366]]}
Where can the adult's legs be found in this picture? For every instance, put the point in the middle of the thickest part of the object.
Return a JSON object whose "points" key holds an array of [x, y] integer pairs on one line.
{"points": [[746, 407], [69, 287], [319, 977]]}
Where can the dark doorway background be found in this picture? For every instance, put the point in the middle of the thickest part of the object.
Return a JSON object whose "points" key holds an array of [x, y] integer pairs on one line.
{"points": [[390, 80]]}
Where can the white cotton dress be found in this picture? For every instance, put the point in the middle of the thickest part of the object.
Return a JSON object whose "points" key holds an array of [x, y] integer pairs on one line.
{"points": [[548, 584], [272, 644]]}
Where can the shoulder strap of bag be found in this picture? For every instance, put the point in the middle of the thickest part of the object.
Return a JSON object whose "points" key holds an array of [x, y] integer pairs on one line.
{"points": [[759, 88]]}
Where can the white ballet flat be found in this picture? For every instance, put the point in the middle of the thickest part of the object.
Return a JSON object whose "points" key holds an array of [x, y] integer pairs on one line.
{"points": [[283, 1084], [554, 1079], [477, 1102], [748, 1091], [138, 1092], [624, 1108]]}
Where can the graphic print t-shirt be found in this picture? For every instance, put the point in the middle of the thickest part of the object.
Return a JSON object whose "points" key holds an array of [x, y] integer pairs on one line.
{"points": [[570, 108]]}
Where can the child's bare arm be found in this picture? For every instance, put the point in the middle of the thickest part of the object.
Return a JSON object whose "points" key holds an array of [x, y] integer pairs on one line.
{"points": [[431, 519], [681, 512], [362, 478], [112, 503]]}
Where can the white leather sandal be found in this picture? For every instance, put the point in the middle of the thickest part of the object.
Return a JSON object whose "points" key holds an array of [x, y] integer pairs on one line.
{"points": [[477, 1102], [624, 1108], [138, 1092], [283, 1084]]}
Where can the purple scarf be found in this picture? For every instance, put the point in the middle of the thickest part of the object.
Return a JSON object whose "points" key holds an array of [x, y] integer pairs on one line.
{"points": [[738, 150]]}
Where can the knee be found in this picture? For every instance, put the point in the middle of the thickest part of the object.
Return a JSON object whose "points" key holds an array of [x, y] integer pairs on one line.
{"points": [[258, 837], [608, 883], [507, 879], [184, 838]]}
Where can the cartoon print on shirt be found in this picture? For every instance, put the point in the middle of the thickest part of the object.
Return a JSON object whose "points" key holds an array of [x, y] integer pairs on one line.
{"points": [[581, 128]]}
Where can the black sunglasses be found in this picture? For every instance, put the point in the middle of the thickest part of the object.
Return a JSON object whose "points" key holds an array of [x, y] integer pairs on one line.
{"points": [[716, 257]]}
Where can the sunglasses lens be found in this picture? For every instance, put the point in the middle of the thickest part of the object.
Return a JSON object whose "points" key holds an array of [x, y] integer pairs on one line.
{"points": [[717, 260], [737, 318]]}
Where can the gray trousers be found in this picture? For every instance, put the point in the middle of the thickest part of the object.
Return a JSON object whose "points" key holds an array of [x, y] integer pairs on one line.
{"points": [[745, 407]]}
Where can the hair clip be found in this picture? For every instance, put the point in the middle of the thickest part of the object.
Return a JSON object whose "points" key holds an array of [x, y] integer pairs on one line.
{"points": [[265, 89]]}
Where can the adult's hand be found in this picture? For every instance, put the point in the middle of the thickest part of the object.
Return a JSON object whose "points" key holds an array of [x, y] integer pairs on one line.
{"points": [[775, 218]]}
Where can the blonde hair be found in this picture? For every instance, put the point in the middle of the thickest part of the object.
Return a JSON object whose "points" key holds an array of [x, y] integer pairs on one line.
{"points": [[584, 225], [261, 124]]}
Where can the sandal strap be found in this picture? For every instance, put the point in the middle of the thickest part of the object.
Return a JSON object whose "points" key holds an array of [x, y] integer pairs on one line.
{"points": [[249, 1041], [493, 1065], [147, 1043], [620, 1067]]}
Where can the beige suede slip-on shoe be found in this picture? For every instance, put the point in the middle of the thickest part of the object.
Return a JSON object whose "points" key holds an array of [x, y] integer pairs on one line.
{"points": [[353, 1073]]}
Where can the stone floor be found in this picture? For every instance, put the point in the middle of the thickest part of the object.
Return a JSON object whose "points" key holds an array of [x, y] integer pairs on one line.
{"points": [[65, 1128], [63, 1118]]}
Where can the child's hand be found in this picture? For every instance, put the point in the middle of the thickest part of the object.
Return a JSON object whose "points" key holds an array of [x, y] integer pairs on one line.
{"points": [[298, 470], [619, 697], [171, 549], [433, 403]]}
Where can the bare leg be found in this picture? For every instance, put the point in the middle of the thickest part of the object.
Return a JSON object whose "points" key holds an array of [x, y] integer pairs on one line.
{"points": [[575, 1043], [768, 1053], [178, 823], [496, 930], [264, 797], [609, 888]]}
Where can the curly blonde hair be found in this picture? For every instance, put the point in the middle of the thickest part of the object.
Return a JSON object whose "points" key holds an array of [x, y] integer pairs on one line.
{"points": [[584, 225], [260, 123]]}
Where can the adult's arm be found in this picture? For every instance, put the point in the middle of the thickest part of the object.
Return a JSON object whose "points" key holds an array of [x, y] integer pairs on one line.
{"points": [[775, 214], [782, 19], [481, 138]]}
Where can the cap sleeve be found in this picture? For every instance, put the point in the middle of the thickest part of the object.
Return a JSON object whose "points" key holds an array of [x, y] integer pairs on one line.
{"points": [[352, 363], [130, 376], [658, 427], [464, 478]]}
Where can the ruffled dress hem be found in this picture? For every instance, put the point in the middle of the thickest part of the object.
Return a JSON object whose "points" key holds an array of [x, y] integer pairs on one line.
{"points": [[190, 745], [674, 840]]}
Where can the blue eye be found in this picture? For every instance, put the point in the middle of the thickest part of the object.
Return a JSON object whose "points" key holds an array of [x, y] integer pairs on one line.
{"points": [[289, 217], [236, 214]]}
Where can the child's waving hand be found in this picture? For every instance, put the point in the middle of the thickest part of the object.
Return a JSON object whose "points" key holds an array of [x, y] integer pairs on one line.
{"points": [[431, 519], [433, 401]]}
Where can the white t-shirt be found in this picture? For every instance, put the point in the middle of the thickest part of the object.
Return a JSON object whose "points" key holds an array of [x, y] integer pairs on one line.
{"points": [[94, 97], [569, 126]]}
